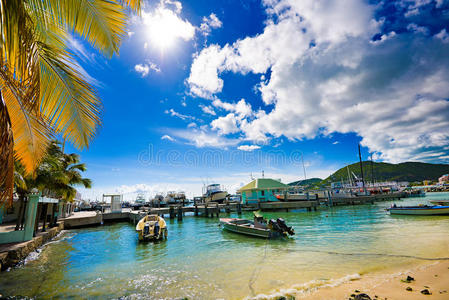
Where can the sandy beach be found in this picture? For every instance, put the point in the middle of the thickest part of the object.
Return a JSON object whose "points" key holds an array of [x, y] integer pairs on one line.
{"points": [[434, 277]]}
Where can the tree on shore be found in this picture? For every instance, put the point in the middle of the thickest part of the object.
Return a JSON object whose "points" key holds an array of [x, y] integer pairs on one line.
{"points": [[56, 176], [43, 91]]}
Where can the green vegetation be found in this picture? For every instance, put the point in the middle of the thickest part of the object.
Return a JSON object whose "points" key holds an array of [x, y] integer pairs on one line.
{"points": [[56, 176], [407, 171], [44, 92], [306, 183]]}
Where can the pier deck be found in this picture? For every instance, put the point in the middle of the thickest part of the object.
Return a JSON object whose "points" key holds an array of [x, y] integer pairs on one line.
{"points": [[81, 219]]}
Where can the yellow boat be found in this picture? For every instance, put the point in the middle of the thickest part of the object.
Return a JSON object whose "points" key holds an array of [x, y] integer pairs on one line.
{"points": [[151, 228]]}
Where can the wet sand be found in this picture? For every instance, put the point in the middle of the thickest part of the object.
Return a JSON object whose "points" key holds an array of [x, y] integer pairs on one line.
{"points": [[434, 277]]}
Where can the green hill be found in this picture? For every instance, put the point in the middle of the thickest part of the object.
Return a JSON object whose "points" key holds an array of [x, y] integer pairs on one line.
{"points": [[407, 171], [306, 182]]}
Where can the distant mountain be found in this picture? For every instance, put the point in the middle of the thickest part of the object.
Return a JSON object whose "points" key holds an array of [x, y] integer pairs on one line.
{"points": [[408, 171], [306, 182]]}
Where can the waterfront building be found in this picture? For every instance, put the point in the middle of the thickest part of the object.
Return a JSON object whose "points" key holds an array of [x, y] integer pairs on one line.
{"points": [[262, 190], [444, 179]]}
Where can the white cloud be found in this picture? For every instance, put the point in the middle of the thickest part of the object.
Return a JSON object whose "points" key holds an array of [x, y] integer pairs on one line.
{"points": [[225, 125], [203, 80], [168, 138], [207, 109], [174, 113], [248, 147], [392, 93], [210, 22], [144, 69], [443, 36], [201, 138], [241, 108], [336, 143]]}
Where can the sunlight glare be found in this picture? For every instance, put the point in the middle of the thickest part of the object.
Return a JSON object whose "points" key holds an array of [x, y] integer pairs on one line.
{"points": [[163, 27]]}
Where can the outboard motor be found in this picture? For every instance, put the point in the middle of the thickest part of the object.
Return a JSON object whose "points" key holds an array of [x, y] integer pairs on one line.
{"points": [[146, 228], [275, 226], [281, 223], [156, 229]]}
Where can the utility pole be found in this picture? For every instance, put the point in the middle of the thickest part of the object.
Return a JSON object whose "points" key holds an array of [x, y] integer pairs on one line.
{"points": [[361, 169]]}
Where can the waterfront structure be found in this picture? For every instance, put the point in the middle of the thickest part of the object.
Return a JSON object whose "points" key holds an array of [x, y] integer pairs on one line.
{"points": [[444, 179], [262, 190], [36, 207]]}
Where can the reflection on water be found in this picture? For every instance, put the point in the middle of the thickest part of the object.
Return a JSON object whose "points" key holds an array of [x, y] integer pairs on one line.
{"points": [[199, 260]]}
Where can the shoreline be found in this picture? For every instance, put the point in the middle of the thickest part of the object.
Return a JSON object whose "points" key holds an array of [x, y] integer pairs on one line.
{"points": [[13, 254], [389, 284]]}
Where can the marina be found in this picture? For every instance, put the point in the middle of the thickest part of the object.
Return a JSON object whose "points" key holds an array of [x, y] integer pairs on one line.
{"points": [[224, 150], [329, 244]]}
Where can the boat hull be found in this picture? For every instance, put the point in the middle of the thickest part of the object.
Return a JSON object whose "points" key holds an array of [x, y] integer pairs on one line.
{"points": [[440, 202], [216, 197], [422, 211], [248, 230]]}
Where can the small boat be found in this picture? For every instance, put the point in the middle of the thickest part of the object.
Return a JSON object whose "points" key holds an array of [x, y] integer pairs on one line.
{"points": [[440, 202], [151, 228], [158, 201], [139, 202], [423, 210], [214, 193], [259, 227]]}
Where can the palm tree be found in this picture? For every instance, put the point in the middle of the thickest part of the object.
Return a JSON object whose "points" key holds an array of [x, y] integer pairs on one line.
{"points": [[59, 173], [42, 89], [56, 176]]}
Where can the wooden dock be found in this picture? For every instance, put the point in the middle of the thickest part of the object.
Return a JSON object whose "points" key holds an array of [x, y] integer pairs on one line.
{"points": [[371, 199], [212, 209]]}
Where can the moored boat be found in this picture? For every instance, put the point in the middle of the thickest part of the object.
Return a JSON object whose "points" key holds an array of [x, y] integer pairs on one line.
{"points": [[214, 193], [423, 210], [151, 228], [258, 228], [440, 202]]}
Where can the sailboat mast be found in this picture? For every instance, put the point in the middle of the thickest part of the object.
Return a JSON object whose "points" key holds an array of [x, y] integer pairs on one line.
{"points": [[303, 167], [349, 175], [361, 168]]}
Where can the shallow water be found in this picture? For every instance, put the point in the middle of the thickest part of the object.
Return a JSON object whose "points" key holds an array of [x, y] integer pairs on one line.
{"points": [[201, 261]]}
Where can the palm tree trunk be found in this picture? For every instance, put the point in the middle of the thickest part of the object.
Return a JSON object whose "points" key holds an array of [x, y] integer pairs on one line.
{"points": [[6, 155]]}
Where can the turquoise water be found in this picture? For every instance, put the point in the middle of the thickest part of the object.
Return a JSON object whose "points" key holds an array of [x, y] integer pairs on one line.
{"points": [[201, 261]]}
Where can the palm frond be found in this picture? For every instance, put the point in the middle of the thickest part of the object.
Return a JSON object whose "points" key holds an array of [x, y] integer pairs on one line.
{"points": [[135, 5], [31, 133], [101, 22], [68, 101]]}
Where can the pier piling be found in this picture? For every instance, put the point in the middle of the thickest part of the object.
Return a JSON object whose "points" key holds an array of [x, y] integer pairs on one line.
{"points": [[179, 213], [172, 212]]}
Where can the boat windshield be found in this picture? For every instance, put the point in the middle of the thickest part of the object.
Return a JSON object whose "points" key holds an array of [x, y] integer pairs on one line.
{"points": [[213, 188]]}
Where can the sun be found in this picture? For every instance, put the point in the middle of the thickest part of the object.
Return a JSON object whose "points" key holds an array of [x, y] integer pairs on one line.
{"points": [[163, 27]]}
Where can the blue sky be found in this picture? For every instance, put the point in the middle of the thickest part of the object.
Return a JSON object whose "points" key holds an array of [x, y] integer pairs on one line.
{"points": [[214, 91]]}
